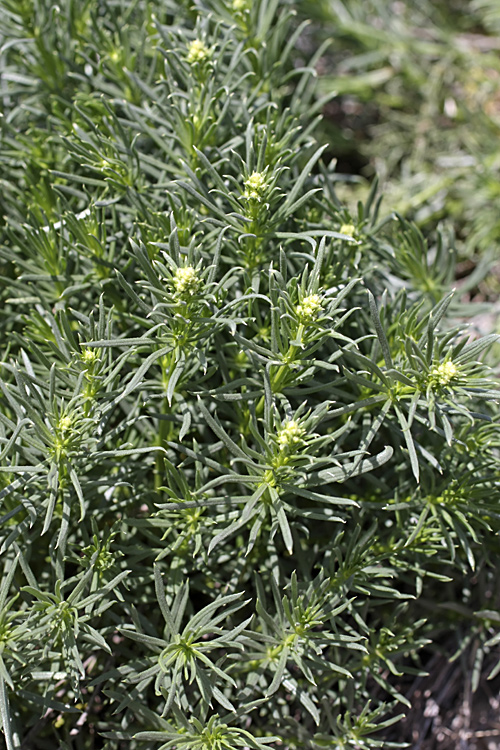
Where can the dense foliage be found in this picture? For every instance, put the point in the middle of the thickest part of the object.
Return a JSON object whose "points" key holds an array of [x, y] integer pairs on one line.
{"points": [[243, 442]]}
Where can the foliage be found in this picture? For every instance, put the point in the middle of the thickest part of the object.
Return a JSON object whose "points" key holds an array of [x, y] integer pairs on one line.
{"points": [[418, 89], [240, 434]]}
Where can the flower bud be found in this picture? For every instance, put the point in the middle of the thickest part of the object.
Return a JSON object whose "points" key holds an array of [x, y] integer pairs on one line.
{"points": [[186, 281], [255, 186], [309, 308], [198, 52], [290, 435], [442, 374]]}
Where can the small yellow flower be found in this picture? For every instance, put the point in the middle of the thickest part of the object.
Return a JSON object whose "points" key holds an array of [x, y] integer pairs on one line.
{"points": [[309, 308], [445, 372], [186, 281], [290, 434], [240, 6], [198, 52]]}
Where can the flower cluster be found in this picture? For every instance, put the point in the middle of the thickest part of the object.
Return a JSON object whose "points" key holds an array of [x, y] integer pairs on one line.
{"points": [[309, 309], [198, 52], [442, 374], [255, 186], [186, 281], [65, 424], [90, 356], [240, 6], [290, 435], [349, 229]]}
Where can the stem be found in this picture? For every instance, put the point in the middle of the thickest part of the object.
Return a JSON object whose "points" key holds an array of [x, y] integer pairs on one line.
{"points": [[165, 433], [280, 375]]}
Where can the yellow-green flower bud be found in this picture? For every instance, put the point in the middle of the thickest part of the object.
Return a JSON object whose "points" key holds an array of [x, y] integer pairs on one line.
{"points": [[240, 6], [186, 281], [255, 186], [65, 423], [89, 356], [290, 435], [198, 52], [349, 229], [442, 374], [309, 308]]}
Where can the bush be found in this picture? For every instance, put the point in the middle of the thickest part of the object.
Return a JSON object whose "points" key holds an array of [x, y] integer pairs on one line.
{"points": [[240, 434]]}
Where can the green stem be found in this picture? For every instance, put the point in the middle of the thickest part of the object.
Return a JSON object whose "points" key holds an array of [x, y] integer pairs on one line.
{"points": [[165, 433], [278, 377]]}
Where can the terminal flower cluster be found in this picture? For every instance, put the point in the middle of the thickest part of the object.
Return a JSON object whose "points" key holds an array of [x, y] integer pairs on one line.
{"points": [[240, 6], [186, 281], [309, 309], [65, 424], [442, 374], [198, 52], [255, 186], [290, 435], [351, 230], [90, 356], [348, 229]]}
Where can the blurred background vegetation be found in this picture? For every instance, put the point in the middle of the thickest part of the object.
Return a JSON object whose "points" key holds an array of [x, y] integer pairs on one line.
{"points": [[418, 104]]}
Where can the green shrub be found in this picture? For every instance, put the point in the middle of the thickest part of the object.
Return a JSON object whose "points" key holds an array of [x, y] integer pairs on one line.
{"points": [[240, 436]]}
